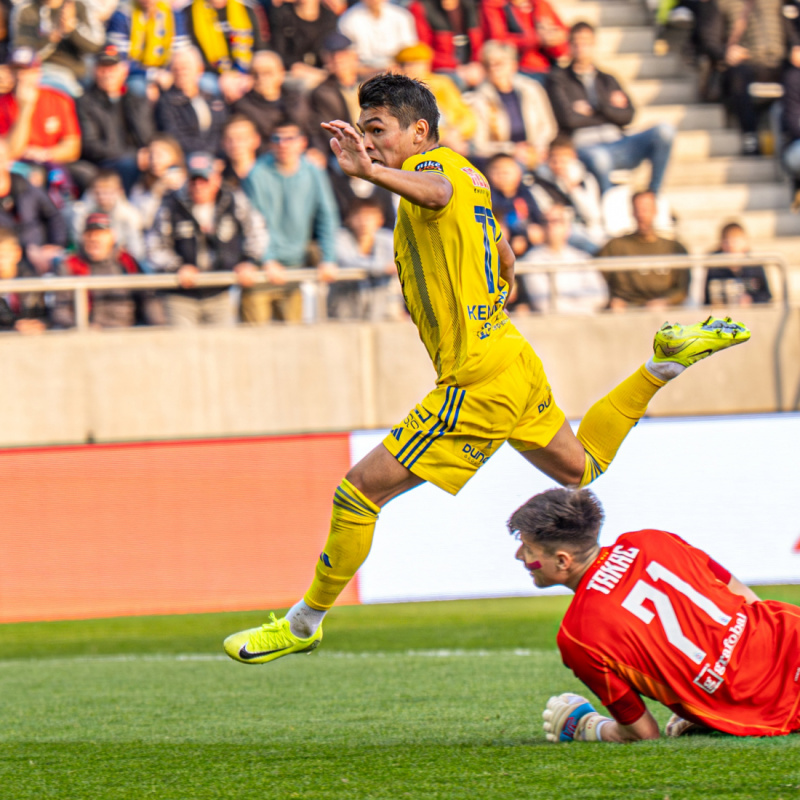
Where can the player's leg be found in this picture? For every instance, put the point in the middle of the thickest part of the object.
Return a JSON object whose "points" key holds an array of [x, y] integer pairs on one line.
{"points": [[578, 460], [369, 485]]}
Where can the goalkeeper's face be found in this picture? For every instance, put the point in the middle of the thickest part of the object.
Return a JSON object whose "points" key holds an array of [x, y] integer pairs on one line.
{"points": [[546, 568]]}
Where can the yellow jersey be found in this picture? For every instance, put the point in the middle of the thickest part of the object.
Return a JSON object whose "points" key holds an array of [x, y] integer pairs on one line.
{"points": [[449, 268]]}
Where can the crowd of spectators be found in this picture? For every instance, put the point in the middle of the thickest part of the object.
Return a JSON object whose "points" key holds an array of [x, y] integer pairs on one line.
{"points": [[183, 137]]}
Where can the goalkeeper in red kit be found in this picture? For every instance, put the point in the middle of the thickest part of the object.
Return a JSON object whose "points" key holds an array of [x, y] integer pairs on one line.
{"points": [[653, 616]]}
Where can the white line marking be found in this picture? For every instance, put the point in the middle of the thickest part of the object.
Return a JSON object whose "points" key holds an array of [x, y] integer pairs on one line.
{"points": [[326, 654]]}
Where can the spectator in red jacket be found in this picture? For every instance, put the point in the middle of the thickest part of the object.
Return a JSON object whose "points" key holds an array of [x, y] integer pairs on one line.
{"points": [[451, 28], [532, 26]]}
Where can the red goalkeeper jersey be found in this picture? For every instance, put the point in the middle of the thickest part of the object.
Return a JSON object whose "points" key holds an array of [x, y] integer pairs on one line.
{"points": [[650, 617]]}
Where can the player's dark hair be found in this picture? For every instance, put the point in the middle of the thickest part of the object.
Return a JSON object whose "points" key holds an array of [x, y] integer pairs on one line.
{"points": [[579, 27], [560, 518], [406, 99]]}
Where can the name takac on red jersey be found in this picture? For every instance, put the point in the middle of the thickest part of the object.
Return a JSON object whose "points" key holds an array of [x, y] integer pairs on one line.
{"points": [[615, 566]]}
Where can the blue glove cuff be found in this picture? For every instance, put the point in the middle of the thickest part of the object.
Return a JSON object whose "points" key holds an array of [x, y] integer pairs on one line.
{"points": [[568, 732]]}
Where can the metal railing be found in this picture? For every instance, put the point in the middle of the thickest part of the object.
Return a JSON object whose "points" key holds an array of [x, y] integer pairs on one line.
{"points": [[82, 286]]}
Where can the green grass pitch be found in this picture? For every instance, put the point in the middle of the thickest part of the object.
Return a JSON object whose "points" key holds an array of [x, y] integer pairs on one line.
{"points": [[421, 701]]}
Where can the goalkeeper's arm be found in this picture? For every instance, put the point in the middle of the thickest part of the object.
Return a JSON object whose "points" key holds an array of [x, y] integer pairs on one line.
{"points": [[570, 717]]}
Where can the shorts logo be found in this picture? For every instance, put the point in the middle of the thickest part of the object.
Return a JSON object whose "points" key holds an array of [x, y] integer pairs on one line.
{"points": [[474, 453], [708, 680], [397, 433], [429, 166]]}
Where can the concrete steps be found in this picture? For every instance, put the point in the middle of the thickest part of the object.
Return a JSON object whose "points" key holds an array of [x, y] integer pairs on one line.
{"points": [[694, 145], [708, 182], [728, 199], [698, 118], [627, 40], [722, 169], [764, 224], [627, 67], [607, 13], [663, 91]]}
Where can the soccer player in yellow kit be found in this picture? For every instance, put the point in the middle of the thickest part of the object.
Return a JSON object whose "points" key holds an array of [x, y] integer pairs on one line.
{"points": [[456, 270]]}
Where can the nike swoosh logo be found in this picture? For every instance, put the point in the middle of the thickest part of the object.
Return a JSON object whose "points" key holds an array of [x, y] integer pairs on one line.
{"points": [[245, 654], [668, 350]]}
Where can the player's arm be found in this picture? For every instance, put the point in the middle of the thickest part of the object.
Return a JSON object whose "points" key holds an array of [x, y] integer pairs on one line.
{"points": [[572, 718], [426, 189], [737, 587], [507, 261]]}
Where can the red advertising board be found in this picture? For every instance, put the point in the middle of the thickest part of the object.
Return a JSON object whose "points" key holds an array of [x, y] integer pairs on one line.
{"points": [[167, 527]]}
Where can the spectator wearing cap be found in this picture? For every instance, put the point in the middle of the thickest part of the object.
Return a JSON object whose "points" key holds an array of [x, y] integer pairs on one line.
{"points": [[30, 213], [23, 313], [62, 33], [337, 98], [98, 254], [106, 195], [457, 122], [147, 32], [295, 199], [451, 28], [40, 122], [195, 118], [379, 30], [514, 113], [271, 100], [115, 124], [297, 31], [204, 227]]}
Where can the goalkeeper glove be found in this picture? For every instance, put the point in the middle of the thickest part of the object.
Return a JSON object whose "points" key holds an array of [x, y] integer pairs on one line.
{"points": [[570, 717]]}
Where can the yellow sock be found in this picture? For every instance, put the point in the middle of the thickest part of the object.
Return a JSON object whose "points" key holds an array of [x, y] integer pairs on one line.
{"points": [[352, 525], [611, 418]]}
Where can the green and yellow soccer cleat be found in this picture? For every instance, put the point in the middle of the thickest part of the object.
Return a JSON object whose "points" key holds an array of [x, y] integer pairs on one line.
{"points": [[272, 640], [688, 344]]}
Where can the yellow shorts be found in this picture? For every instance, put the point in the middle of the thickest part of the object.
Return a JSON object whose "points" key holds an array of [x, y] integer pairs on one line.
{"points": [[454, 431]]}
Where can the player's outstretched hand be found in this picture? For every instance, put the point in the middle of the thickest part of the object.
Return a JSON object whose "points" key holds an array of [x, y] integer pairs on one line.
{"points": [[570, 717], [348, 147]]}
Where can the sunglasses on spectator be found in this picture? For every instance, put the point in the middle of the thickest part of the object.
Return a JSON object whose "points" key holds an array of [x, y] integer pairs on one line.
{"points": [[286, 137]]}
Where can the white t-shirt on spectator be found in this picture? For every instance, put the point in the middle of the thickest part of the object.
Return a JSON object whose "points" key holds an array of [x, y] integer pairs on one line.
{"points": [[378, 39], [576, 292]]}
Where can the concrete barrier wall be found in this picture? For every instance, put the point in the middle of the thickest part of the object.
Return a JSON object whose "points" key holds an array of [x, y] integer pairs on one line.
{"points": [[166, 384]]}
